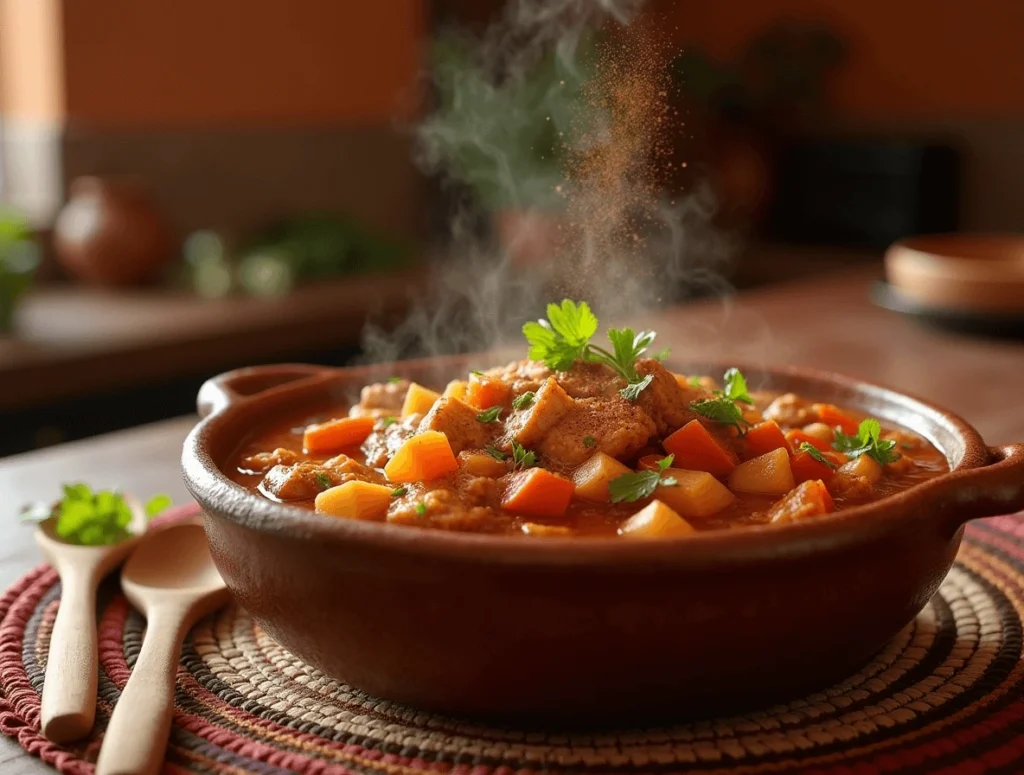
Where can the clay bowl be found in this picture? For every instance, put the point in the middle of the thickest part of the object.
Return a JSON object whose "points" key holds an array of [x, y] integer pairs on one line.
{"points": [[964, 273], [586, 631]]}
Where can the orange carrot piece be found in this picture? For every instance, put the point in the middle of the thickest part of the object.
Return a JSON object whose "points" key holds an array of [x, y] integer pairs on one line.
{"points": [[826, 498], [695, 449], [337, 434], [423, 457], [832, 416], [650, 462], [806, 468], [762, 438], [484, 392], [538, 493], [796, 438]]}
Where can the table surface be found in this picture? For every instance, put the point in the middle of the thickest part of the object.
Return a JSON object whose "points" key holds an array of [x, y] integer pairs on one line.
{"points": [[827, 323]]}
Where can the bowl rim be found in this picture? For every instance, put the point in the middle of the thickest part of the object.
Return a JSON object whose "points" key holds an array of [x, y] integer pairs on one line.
{"points": [[859, 524]]}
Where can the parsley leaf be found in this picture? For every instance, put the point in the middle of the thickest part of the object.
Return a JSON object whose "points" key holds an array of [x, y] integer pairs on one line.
{"points": [[736, 387], [589, 441], [98, 518], [489, 415], [662, 354], [632, 391], [627, 347], [524, 401], [640, 484], [476, 373], [867, 442], [398, 492], [562, 338], [722, 410], [694, 382], [394, 380], [521, 457], [494, 452], [390, 420], [323, 480], [816, 453], [421, 508]]}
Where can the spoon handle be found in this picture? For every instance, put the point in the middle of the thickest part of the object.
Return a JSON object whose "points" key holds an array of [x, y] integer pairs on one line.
{"points": [[136, 738], [69, 687]]}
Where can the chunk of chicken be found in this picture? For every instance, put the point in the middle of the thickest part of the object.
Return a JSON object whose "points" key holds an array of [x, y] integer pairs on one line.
{"points": [[790, 410], [521, 376], [302, 481], [665, 400], [590, 380], [458, 421], [383, 397], [262, 462], [385, 439], [615, 426], [529, 426]]}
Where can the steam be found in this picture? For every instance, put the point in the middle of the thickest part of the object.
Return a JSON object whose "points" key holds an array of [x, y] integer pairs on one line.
{"points": [[621, 246]]}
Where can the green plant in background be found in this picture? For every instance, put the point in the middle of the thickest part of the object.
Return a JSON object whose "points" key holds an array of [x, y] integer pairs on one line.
{"points": [[499, 133], [19, 260], [94, 518], [291, 251]]}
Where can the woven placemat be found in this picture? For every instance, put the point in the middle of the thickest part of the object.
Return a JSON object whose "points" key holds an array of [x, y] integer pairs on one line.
{"points": [[943, 697]]}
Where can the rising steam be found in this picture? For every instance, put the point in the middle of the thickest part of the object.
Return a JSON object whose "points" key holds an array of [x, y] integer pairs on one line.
{"points": [[604, 112]]}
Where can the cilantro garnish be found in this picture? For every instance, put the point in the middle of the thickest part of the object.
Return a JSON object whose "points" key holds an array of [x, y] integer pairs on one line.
{"points": [[521, 457], [723, 407], [398, 492], [564, 337], [323, 480], [476, 373], [489, 415], [640, 484], [589, 441], [494, 452], [662, 354], [98, 518], [389, 420], [816, 453], [394, 380], [867, 442], [694, 382], [524, 401], [421, 508]]}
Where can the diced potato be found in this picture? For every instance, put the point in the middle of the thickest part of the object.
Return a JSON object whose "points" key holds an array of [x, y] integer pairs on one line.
{"points": [[482, 464], [819, 431], [655, 520], [592, 478], [418, 400], [456, 389], [864, 466], [769, 474], [355, 500], [696, 494]]}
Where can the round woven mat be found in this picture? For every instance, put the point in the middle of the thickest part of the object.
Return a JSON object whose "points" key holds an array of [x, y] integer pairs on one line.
{"points": [[943, 697]]}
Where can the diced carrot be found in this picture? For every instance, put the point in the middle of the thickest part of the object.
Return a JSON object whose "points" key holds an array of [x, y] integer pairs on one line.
{"points": [[482, 464], [796, 438], [355, 500], [539, 493], [337, 434], [810, 499], [484, 392], [649, 462], [418, 400], [423, 457], [833, 416], [806, 468], [763, 437], [695, 449], [826, 498]]}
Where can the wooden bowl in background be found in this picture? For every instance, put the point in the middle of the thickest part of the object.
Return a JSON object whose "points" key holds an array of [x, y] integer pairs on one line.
{"points": [[965, 273]]}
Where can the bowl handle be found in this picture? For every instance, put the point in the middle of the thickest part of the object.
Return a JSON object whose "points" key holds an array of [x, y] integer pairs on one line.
{"points": [[992, 490], [220, 392]]}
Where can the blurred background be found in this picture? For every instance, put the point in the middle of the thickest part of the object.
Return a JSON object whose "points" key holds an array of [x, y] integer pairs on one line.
{"points": [[194, 186]]}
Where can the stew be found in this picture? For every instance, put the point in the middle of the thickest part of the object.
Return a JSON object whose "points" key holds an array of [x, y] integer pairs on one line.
{"points": [[579, 440]]}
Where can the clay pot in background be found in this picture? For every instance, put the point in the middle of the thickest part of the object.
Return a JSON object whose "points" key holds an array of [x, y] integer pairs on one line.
{"points": [[111, 233]]}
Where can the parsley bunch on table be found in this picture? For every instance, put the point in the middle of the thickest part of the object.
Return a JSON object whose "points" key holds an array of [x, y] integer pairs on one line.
{"points": [[99, 518]]}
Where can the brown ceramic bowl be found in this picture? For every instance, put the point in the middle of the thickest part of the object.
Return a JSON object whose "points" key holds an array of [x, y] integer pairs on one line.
{"points": [[587, 630]]}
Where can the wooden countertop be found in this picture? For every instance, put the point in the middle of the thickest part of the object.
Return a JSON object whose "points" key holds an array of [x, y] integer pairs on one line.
{"points": [[826, 323], [74, 340]]}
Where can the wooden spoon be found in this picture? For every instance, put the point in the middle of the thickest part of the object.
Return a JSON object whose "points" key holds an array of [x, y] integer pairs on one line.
{"points": [[171, 578], [69, 687]]}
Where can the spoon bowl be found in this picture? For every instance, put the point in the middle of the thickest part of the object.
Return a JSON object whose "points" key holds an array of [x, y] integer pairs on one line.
{"points": [[171, 579]]}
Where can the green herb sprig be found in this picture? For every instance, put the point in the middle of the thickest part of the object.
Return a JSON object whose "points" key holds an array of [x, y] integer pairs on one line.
{"points": [[723, 408], [867, 442], [489, 415], [641, 484], [522, 458], [100, 518], [564, 338], [816, 454], [524, 401]]}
